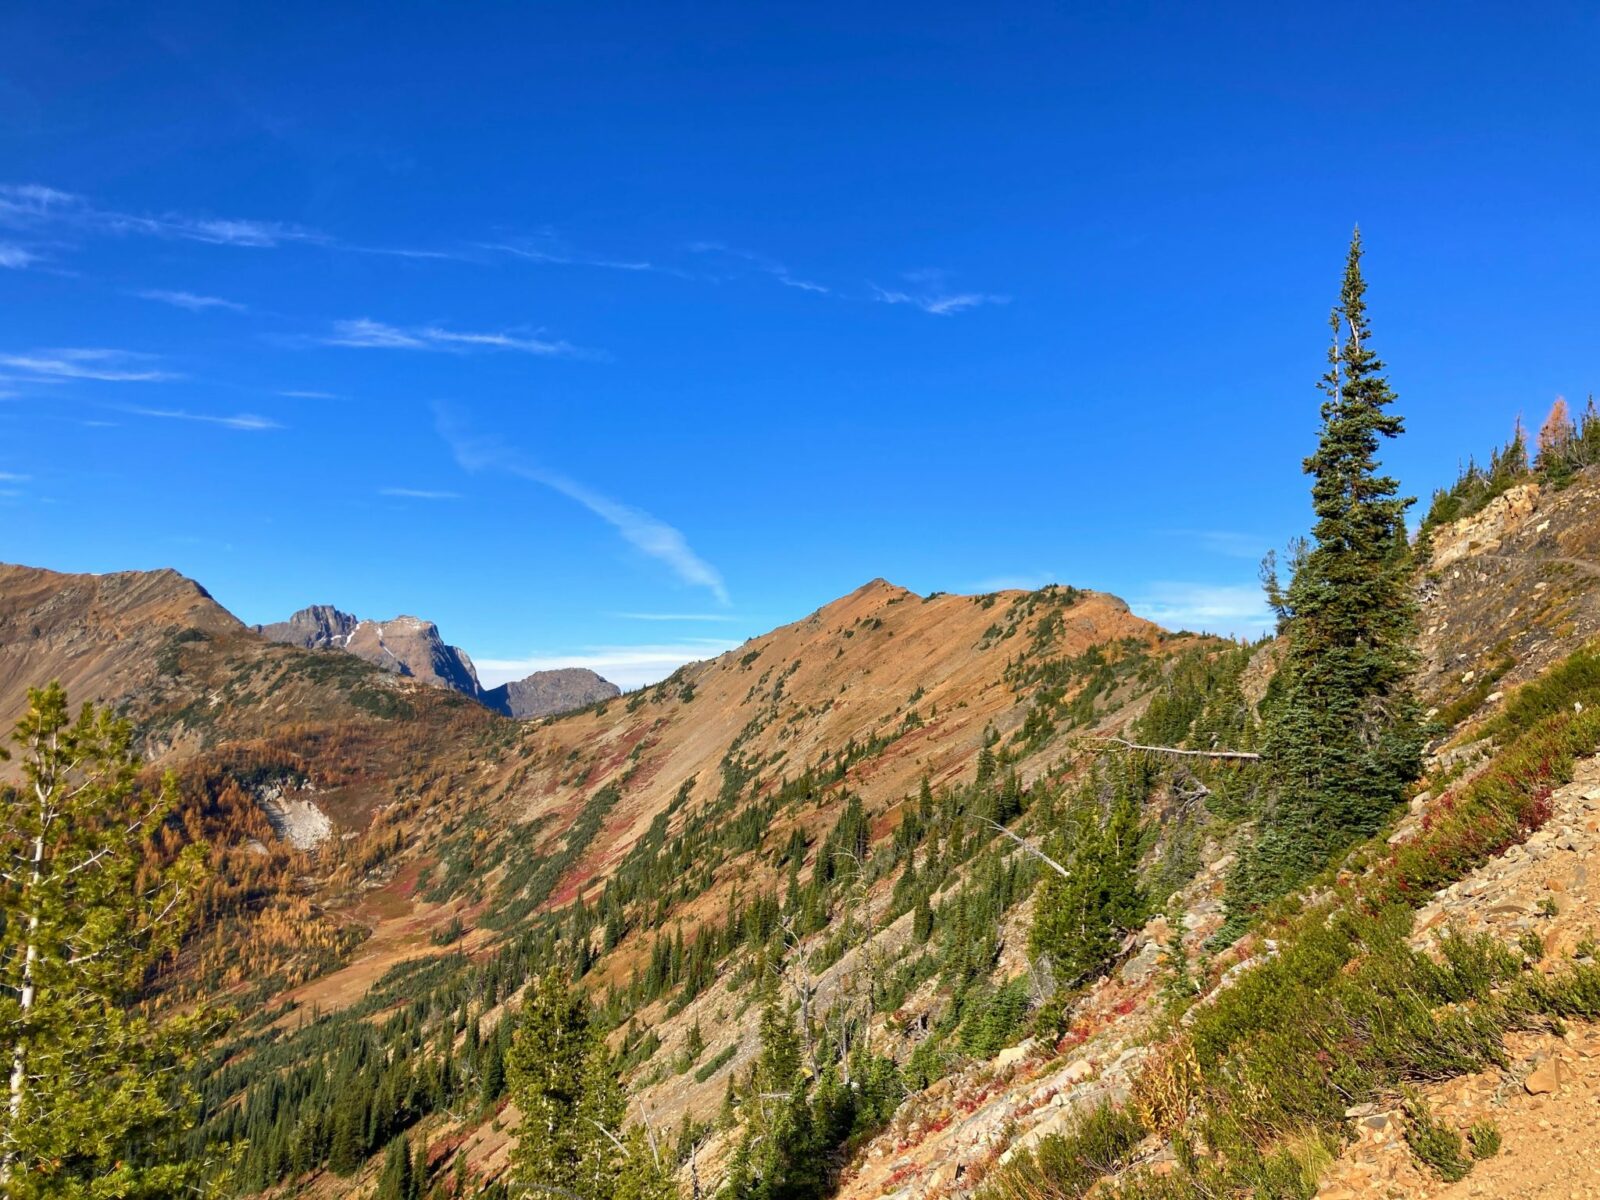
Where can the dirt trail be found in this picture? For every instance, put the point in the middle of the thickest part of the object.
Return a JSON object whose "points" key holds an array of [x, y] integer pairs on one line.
{"points": [[1582, 564]]}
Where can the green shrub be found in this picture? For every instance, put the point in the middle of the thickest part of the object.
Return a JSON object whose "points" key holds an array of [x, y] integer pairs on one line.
{"points": [[1435, 1144], [1575, 680], [723, 1058], [1484, 1138], [1099, 1143]]}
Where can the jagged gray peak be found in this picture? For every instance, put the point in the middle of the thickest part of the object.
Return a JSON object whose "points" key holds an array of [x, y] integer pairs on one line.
{"points": [[412, 647], [406, 646], [312, 628]]}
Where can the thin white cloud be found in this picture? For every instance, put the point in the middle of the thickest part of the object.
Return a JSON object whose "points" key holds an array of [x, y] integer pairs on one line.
{"points": [[646, 533], [644, 616], [301, 395], [102, 365], [933, 298], [625, 666], [247, 422], [365, 334], [15, 257], [557, 253], [13, 477], [189, 300], [404, 493], [763, 263], [33, 206], [372, 335], [1212, 608], [401, 252]]}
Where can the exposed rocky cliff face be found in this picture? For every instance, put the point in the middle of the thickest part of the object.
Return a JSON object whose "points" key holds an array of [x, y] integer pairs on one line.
{"points": [[407, 646], [547, 692], [315, 628], [413, 648]]}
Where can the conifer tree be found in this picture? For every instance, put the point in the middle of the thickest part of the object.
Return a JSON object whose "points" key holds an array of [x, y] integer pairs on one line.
{"points": [[1080, 919], [1343, 736], [643, 1176], [400, 1179], [97, 1100], [349, 1146], [600, 1119], [545, 1068], [493, 1084]]}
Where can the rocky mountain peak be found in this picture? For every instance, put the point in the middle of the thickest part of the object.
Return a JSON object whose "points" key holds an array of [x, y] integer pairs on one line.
{"points": [[547, 692], [312, 628], [413, 648]]}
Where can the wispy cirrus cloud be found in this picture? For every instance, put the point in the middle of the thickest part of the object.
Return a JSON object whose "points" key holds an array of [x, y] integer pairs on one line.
{"points": [[365, 334], [34, 206], [306, 395], [928, 289], [763, 263], [626, 666], [1237, 609], [97, 364], [646, 533], [405, 493], [190, 301], [37, 208], [1230, 543], [548, 248], [246, 422], [15, 258]]}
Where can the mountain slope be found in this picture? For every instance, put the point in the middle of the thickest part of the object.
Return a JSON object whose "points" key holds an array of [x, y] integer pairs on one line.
{"points": [[105, 637], [626, 839]]}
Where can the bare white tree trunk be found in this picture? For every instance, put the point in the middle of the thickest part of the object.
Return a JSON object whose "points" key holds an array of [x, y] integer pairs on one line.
{"points": [[19, 1053]]}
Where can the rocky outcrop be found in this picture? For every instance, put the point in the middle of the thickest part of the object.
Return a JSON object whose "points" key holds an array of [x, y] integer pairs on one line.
{"points": [[407, 646], [413, 648], [545, 693], [315, 628]]}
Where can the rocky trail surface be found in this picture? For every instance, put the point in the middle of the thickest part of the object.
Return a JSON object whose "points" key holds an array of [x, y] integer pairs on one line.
{"points": [[1546, 1104]]}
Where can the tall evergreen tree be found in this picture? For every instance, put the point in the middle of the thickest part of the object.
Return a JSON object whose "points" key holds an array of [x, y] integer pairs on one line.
{"points": [[400, 1179], [545, 1068], [600, 1118], [1343, 735], [1080, 920], [643, 1175], [97, 1099]]}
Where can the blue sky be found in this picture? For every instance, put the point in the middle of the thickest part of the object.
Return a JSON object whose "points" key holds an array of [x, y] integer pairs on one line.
{"points": [[616, 334]]}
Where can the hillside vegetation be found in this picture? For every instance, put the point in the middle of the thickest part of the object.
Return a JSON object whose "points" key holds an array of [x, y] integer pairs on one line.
{"points": [[1014, 895]]}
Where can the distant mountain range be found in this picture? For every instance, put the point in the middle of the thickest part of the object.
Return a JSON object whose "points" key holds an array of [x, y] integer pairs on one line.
{"points": [[412, 647]]}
